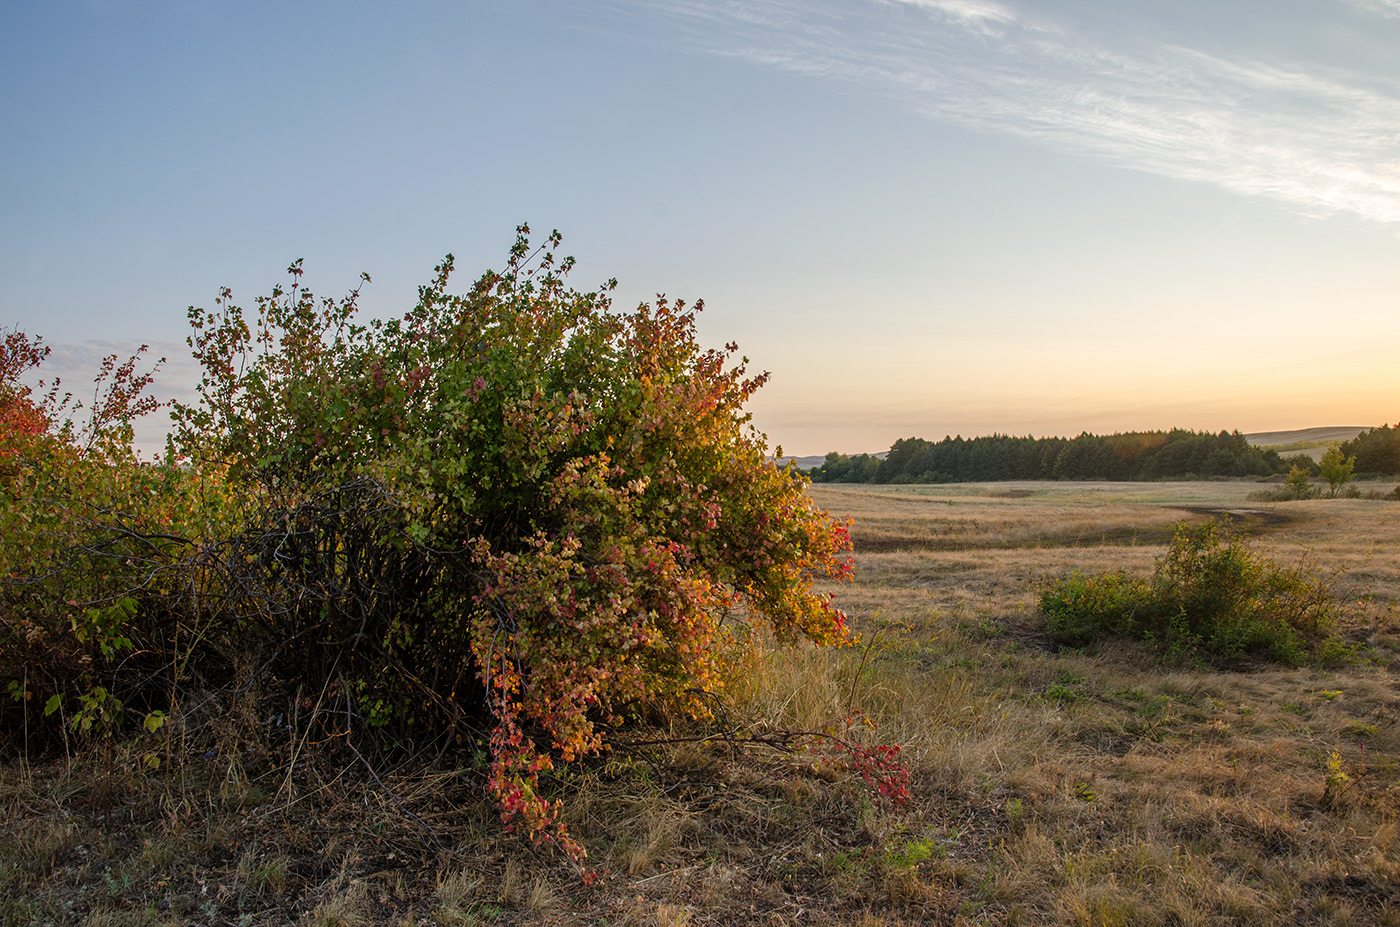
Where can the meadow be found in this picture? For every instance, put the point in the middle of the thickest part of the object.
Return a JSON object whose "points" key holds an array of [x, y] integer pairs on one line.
{"points": [[1100, 785]]}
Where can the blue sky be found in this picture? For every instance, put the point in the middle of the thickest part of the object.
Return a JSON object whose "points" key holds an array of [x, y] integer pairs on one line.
{"points": [[923, 216]]}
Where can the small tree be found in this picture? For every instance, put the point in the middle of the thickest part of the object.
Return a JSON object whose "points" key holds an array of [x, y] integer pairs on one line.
{"points": [[1335, 469], [1298, 485], [1302, 461]]}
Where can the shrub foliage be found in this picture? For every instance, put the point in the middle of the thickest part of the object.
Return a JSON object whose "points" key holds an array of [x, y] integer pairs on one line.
{"points": [[1209, 595], [514, 510], [88, 540]]}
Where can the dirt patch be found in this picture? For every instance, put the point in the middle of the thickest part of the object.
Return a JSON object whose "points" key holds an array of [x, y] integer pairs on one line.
{"points": [[1126, 537], [1247, 521]]}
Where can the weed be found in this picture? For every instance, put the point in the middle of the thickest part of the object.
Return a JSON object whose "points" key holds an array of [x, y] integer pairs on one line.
{"points": [[346, 906], [1336, 781], [670, 915], [459, 887], [263, 875], [510, 889], [541, 898], [116, 885], [910, 854], [158, 855]]}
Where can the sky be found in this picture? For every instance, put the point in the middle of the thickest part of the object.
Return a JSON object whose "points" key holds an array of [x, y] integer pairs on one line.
{"points": [[923, 217]]}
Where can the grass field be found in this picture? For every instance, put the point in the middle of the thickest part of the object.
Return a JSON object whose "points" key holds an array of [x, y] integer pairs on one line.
{"points": [[1048, 785]]}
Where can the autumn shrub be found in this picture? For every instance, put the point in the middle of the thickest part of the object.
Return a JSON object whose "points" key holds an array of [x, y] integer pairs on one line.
{"points": [[515, 508], [1210, 595], [94, 553], [514, 514]]}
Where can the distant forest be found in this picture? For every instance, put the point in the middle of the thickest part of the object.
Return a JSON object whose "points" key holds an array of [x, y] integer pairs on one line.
{"points": [[1377, 451], [1146, 455]]}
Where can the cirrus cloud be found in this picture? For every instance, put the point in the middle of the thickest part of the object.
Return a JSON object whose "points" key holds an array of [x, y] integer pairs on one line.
{"points": [[1321, 141]]}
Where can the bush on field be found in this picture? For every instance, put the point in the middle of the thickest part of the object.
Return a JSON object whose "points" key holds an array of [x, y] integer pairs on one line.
{"points": [[514, 511], [1336, 469], [1209, 595], [1297, 485]]}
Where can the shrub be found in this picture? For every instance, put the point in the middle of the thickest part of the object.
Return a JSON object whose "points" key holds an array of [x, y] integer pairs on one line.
{"points": [[514, 510], [1296, 485], [1302, 461], [1081, 607], [1210, 595], [94, 552], [513, 506]]}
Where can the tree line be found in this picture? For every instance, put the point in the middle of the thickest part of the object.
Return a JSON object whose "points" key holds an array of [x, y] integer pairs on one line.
{"points": [[1143, 455], [1377, 451]]}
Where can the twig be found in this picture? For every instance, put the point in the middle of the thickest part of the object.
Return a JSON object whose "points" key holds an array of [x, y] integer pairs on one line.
{"points": [[349, 742]]}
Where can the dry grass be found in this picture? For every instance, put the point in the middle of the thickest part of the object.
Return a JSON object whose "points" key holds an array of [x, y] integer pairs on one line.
{"points": [[1050, 786], [1146, 793]]}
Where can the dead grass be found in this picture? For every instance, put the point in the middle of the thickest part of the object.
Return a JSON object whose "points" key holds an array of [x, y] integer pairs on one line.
{"points": [[1050, 786], [1154, 793]]}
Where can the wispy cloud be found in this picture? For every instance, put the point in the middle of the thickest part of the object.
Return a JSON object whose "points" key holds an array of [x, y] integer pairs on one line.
{"points": [[969, 12], [1322, 141], [1379, 7]]}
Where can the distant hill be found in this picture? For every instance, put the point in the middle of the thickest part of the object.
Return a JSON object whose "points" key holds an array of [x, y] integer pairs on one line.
{"points": [[803, 463], [809, 463], [1311, 441], [1333, 434]]}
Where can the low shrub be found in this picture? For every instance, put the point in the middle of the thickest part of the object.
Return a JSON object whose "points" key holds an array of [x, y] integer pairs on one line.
{"points": [[1080, 608], [1296, 485], [1209, 595]]}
